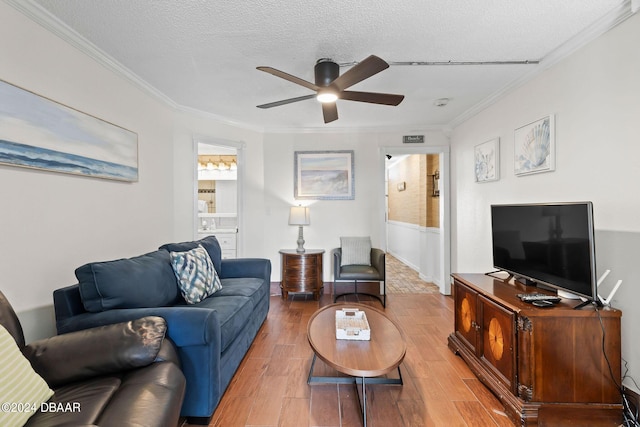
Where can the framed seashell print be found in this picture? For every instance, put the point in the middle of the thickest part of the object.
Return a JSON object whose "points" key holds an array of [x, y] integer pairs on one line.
{"points": [[534, 147], [487, 161]]}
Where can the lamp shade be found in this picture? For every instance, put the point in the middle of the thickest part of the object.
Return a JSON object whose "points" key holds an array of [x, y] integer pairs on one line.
{"points": [[299, 215]]}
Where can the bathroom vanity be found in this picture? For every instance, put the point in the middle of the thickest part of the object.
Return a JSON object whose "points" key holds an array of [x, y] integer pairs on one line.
{"points": [[224, 227]]}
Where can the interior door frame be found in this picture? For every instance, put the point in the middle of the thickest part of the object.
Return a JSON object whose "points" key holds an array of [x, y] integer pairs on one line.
{"points": [[444, 199], [240, 147]]}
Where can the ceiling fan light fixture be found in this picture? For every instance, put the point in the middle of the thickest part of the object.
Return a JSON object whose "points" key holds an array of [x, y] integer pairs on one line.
{"points": [[326, 97], [330, 85]]}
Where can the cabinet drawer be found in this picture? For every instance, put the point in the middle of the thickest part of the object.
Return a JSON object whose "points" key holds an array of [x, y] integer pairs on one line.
{"points": [[301, 263], [228, 254], [227, 241]]}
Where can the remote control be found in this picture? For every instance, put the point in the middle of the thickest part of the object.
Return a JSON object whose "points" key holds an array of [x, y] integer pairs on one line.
{"points": [[538, 297]]}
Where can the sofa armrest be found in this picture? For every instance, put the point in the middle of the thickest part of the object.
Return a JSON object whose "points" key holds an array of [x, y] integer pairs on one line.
{"points": [[246, 267], [97, 351], [67, 302], [337, 260], [186, 325], [377, 261]]}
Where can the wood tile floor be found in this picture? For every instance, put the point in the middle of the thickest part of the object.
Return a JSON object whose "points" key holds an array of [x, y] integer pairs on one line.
{"points": [[270, 387]]}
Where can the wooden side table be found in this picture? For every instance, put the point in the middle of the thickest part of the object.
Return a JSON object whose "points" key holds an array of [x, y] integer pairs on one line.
{"points": [[302, 272]]}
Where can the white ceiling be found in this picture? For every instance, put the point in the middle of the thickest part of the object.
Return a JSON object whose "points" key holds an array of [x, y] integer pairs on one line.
{"points": [[203, 54]]}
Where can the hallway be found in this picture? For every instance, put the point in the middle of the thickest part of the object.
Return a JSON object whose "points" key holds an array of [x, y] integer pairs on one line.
{"points": [[402, 279]]}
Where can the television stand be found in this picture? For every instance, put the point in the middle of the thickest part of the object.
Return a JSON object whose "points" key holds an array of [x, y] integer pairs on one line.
{"points": [[547, 366]]}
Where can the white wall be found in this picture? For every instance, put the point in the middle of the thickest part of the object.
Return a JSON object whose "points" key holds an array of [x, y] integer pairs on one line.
{"points": [[595, 96], [330, 219], [404, 241], [52, 223]]}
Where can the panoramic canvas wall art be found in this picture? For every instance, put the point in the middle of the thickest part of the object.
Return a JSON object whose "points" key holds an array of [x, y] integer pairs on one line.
{"points": [[324, 175], [38, 133]]}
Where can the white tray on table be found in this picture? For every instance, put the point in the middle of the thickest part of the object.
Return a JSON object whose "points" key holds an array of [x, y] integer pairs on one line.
{"points": [[352, 324]]}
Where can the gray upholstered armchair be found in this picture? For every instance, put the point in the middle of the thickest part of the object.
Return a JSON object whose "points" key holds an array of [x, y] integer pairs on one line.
{"points": [[375, 272]]}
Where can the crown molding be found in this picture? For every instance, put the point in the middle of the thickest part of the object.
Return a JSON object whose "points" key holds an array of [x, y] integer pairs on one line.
{"points": [[48, 21], [592, 32], [45, 19], [220, 119], [406, 128]]}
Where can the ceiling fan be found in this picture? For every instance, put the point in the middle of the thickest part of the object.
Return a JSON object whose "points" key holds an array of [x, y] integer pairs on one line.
{"points": [[331, 86]]}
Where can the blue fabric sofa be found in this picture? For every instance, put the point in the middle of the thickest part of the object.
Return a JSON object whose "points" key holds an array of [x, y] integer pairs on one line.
{"points": [[212, 336]]}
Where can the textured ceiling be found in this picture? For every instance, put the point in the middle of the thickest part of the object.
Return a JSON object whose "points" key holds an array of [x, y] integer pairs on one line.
{"points": [[203, 54]]}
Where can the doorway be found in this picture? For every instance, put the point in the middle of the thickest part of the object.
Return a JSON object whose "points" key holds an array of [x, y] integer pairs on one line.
{"points": [[218, 193], [424, 247]]}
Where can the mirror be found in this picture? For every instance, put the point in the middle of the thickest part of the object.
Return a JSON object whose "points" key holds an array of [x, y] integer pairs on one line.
{"points": [[217, 183], [217, 179]]}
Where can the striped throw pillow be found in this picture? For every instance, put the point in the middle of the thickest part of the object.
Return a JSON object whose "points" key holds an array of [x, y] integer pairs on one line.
{"points": [[22, 390], [355, 251], [197, 277]]}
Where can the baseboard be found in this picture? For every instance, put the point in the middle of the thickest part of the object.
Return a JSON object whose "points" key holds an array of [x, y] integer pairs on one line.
{"points": [[405, 261]]}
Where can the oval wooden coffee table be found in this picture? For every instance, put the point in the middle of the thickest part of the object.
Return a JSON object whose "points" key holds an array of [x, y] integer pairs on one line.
{"points": [[364, 361]]}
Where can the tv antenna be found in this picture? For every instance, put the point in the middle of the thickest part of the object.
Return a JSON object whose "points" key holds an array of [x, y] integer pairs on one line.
{"points": [[607, 300]]}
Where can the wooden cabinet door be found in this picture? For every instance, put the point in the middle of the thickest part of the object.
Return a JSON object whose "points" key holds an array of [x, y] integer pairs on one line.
{"points": [[466, 326], [498, 340]]}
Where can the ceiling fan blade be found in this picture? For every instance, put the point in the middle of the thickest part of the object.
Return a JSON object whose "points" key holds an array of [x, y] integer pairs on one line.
{"points": [[363, 70], [372, 97], [286, 101], [330, 111], [289, 77]]}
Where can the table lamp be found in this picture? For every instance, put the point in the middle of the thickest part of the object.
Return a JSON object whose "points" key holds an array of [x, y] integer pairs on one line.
{"points": [[299, 215]]}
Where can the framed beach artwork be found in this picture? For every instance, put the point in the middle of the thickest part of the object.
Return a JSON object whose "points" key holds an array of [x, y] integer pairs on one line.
{"points": [[324, 175], [534, 147], [38, 133], [487, 161]]}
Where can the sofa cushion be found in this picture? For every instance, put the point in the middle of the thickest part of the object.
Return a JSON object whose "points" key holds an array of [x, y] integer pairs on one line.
{"points": [[209, 243], [91, 396], [20, 384], [246, 287], [143, 281], [150, 396], [233, 313], [355, 251], [196, 276]]}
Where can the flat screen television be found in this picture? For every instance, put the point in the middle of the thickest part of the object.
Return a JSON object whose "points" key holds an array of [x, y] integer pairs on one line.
{"points": [[550, 244]]}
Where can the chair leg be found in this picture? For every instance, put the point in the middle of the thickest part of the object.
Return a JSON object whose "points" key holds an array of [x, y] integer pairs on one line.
{"points": [[384, 293], [333, 291]]}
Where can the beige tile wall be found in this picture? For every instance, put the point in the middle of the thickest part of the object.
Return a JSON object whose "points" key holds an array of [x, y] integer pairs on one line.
{"points": [[415, 204]]}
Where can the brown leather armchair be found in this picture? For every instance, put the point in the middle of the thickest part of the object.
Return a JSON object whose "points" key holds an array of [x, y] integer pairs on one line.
{"points": [[363, 273], [118, 375]]}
